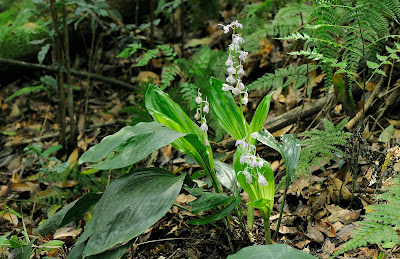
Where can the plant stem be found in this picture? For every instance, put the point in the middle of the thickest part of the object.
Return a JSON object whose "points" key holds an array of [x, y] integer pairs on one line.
{"points": [[250, 217], [281, 211], [267, 230]]}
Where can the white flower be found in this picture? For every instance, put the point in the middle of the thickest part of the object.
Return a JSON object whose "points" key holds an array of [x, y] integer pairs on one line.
{"points": [[206, 108], [198, 98], [229, 61], [204, 126], [226, 27], [240, 71], [230, 79], [237, 24], [261, 163], [231, 70], [240, 85], [197, 115], [240, 142], [243, 55], [226, 87], [261, 180], [245, 100], [248, 176], [237, 39], [236, 91]]}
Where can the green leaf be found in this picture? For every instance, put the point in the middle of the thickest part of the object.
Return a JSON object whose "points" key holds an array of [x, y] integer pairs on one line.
{"points": [[129, 206], [276, 251], [289, 150], [372, 65], [72, 211], [226, 176], [129, 145], [209, 200], [52, 243], [261, 114], [226, 111], [2, 239], [166, 111], [27, 250], [27, 90], [43, 52], [214, 217], [260, 203]]}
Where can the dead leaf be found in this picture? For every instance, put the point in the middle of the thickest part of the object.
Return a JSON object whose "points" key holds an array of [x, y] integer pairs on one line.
{"points": [[3, 190], [350, 216], [15, 111], [63, 233], [326, 228], [314, 233], [282, 131], [147, 76], [185, 198], [327, 249], [6, 215], [26, 186]]}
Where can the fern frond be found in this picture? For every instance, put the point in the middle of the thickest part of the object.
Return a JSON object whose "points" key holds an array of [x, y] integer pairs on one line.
{"points": [[322, 145], [296, 75], [380, 226], [28, 90], [167, 76]]}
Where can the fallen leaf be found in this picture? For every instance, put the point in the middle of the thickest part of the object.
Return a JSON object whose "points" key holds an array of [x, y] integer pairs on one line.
{"points": [[350, 216], [26, 186], [63, 233], [13, 219]]}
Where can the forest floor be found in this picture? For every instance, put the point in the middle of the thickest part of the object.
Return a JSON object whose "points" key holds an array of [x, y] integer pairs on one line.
{"points": [[320, 211]]}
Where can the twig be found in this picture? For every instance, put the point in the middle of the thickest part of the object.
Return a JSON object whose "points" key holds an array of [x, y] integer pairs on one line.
{"points": [[110, 81], [367, 104], [56, 134]]}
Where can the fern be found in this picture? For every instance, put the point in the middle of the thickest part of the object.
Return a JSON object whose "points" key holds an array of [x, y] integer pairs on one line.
{"points": [[381, 226], [293, 75], [322, 146], [28, 90]]}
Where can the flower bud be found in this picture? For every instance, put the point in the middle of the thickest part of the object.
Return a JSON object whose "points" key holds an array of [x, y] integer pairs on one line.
{"points": [[229, 61], [245, 100], [226, 87], [197, 115]]}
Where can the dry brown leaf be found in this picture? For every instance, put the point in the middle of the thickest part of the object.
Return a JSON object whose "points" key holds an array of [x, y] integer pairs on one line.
{"points": [[350, 216], [282, 131], [326, 228], [314, 233], [3, 190], [185, 198], [63, 233], [327, 249], [26, 186], [13, 219], [147, 76]]}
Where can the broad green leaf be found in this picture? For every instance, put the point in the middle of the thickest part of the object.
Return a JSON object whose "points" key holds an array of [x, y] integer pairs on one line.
{"points": [[261, 114], [226, 176], [214, 217], [3, 238], [260, 203], [72, 211], [129, 206], [129, 145], [209, 200], [77, 251], [275, 251], [226, 111], [159, 103], [291, 150], [165, 110], [266, 138]]}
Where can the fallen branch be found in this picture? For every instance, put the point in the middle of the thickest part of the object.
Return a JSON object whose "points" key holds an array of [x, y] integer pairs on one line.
{"points": [[56, 134], [110, 81]]}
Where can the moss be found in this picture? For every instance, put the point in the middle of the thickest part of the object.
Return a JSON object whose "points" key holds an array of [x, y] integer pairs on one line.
{"points": [[19, 26]]}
